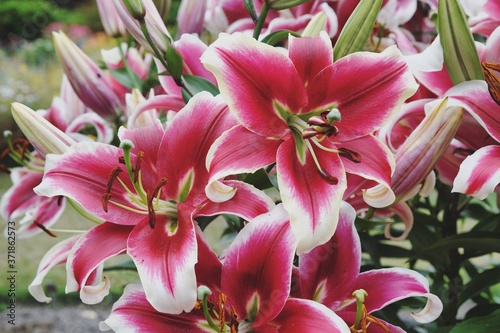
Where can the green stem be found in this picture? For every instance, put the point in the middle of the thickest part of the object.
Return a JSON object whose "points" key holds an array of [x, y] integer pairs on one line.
{"points": [[160, 57], [130, 73], [204, 307], [260, 21]]}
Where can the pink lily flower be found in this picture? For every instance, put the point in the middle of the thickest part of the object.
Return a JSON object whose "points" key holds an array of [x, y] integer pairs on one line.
{"points": [[249, 290], [110, 19], [149, 192], [330, 274], [313, 117], [191, 16]]}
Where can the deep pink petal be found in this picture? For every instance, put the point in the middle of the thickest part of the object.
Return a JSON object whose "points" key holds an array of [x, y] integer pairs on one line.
{"points": [[301, 315], [389, 285], [252, 77], [190, 47], [313, 204], [182, 153], [475, 98], [133, 313], [238, 151], [248, 202], [57, 255], [479, 173], [310, 55], [100, 243], [257, 268], [165, 257], [19, 194], [377, 162], [350, 318], [327, 273], [208, 268], [366, 98], [46, 212], [83, 172]]}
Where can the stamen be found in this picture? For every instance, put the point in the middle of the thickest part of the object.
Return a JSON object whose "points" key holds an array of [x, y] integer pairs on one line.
{"points": [[222, 312], [492, 80], [107, 195], [138, 161], [328, 177], [47, 231], [363, 319], [152, 195], [350, 155]]}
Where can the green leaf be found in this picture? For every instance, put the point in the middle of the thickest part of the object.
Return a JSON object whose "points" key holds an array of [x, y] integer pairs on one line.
{"points": [[459, 50], [277, 36], [197, 84], [124, 266], [483, 241], [175, 63], [479, 283], [259, 179], [121, 75], [357, 29], [364, 224], [489, 323]]}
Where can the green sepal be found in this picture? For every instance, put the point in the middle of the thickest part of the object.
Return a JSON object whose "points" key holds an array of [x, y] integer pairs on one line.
{"points": [[357, 29], [196, 84], [277, 36], [175, 63], [459, 50]]}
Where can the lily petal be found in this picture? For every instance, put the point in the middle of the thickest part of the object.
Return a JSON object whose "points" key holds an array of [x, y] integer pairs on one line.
{"points": [[165, 257], [257, 268], [479, 173], [368, 99], [187, 141], [313, 203], [263, 76], [102, 242], [57, 255], [238, 151], [133, 313], [388, 285], [301, 315], [329, 270]]}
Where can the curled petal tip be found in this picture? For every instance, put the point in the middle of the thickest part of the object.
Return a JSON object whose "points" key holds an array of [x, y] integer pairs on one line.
{"points": [[431, 311], [219, 192], [379, 196]]}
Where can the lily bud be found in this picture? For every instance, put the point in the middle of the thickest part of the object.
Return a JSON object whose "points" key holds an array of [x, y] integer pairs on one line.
{"points": [[191, 16], [86, 78], [110, 19], [418, 155], [284, 4], [154, 25], [45, 137], [316, 25], [135, 8]]}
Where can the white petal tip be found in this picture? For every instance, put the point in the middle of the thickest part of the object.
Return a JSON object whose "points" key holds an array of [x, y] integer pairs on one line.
{"points": [[431, 311], [219, 192], [379, 196]]}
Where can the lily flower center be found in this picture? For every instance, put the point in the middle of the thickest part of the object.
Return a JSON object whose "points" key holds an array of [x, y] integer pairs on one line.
{"points": [[141, 200], [17, 149], [215, 314], [363, 318], [313, 132]]}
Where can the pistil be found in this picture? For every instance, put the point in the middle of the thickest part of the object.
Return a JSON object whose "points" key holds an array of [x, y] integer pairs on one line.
{"points": [[363, 319]]}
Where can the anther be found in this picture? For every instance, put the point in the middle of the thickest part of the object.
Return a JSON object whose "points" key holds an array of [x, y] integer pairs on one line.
{"points": [[328, 177], [107, 195], [153, 194], [47, 231], [138, 161], [350, 155]]}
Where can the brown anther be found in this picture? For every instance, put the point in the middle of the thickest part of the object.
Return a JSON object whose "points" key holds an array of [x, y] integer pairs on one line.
{"points": [[151, 195], [4, 153], [234, 321], [104, 200], [222, 312], [197, 305], [59, 200], [121, 159], [328, 177], [350, 155], [492, 80], [47, 231], [4, 168], [22, 145], [107, 195], [138, 161], [366, 320]]}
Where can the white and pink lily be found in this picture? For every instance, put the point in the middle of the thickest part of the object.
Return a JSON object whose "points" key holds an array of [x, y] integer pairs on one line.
{"points": [[330, 274], [313, 117], [149, 192], [249, 290]]}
